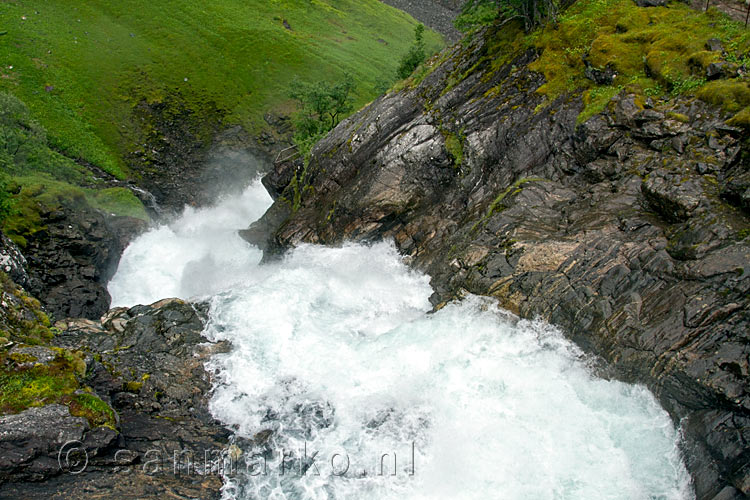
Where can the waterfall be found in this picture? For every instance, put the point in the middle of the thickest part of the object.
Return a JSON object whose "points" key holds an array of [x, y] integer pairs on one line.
{"points": [[341, 384]]}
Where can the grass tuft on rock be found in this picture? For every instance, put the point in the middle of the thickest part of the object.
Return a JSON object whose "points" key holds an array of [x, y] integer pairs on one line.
{"points": [[93, 409]]}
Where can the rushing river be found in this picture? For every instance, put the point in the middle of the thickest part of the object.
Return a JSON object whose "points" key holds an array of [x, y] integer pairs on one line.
{"points": [[335, 352]]}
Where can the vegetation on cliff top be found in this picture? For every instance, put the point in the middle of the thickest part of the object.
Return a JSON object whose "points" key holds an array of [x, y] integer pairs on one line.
{"points": [[36, 179], [26, 380], [647, 48], [599, 47], [75, 78]]}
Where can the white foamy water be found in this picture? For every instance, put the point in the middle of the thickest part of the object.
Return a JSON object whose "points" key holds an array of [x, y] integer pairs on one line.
{"points": [[197, 255], [335, 354]]}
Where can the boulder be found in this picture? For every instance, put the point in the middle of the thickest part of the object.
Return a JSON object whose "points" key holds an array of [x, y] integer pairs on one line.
{"points": [[147, 362]]}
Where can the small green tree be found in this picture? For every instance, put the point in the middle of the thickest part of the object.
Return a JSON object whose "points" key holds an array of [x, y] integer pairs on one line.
{"points": [[322, 102], [321, 107], [476, 13], [533, 13], [415, 56]]}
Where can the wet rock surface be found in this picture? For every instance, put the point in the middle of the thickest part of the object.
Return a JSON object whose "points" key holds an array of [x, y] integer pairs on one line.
{"points": [[188, 158], [147, 363], [71, 259], [629, 231], [13, 263]]}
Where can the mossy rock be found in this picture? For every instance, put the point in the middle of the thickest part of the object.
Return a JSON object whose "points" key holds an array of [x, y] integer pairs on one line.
{"points": [[133, 386], [741, 119], [22, 318], [613, 50], [34, 374], [93, 409], [731, 95], [700, 61], [678, 117]]}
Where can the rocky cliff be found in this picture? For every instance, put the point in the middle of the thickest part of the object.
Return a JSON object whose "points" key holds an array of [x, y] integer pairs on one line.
{"points": [[129, 420], [630, 230], [112, 408]]}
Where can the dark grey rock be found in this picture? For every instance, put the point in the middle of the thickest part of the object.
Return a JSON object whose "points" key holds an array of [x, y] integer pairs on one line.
{"points": [[671, 197], [71, 260], [147, 361], [31, 441], [717, 70], [651, 3], [436, 14], [605, 228], [600, 76]]}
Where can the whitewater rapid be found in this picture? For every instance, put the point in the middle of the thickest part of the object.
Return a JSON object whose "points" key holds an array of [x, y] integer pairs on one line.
{"points": [[367, 396]]}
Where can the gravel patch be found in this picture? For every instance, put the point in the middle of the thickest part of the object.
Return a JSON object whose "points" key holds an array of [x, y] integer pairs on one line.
{"points": [[436, 14]]}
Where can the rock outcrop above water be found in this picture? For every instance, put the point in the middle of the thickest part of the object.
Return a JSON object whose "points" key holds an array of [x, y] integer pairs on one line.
{"points": [[189, 158], [630, 231], [146, 362], [72, 257]]}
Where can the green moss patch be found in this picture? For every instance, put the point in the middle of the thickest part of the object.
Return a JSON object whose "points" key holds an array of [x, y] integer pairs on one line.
{"points": [[117, 201], [93, 409], [732, 95], [40, 193], [595, 101], [24, 385], [455, 147], [741, 119], [26, 382], [37, 386], [659, 50], [22, 319]]}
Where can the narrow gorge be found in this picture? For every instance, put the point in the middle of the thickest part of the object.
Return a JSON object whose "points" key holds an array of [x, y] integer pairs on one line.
{"points": [[519, 273]]}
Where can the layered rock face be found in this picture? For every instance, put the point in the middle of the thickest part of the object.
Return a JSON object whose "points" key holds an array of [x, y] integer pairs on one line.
{"points": [[630, 231], [147, 363]]}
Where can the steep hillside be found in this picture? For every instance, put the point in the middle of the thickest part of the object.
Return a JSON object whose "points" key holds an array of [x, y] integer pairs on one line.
{"points": [[593, 173], [85, 69], [100, 100]]}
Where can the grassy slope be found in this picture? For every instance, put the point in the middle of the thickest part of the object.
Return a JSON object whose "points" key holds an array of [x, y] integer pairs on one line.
{"points": [[81, 66]]}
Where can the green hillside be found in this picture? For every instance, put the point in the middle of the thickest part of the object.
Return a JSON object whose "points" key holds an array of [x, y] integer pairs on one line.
{"points": [[82, 67]]}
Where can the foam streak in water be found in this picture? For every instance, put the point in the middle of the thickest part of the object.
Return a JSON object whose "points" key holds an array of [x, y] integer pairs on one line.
{"points": [[197, 255], [334, 353]]}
